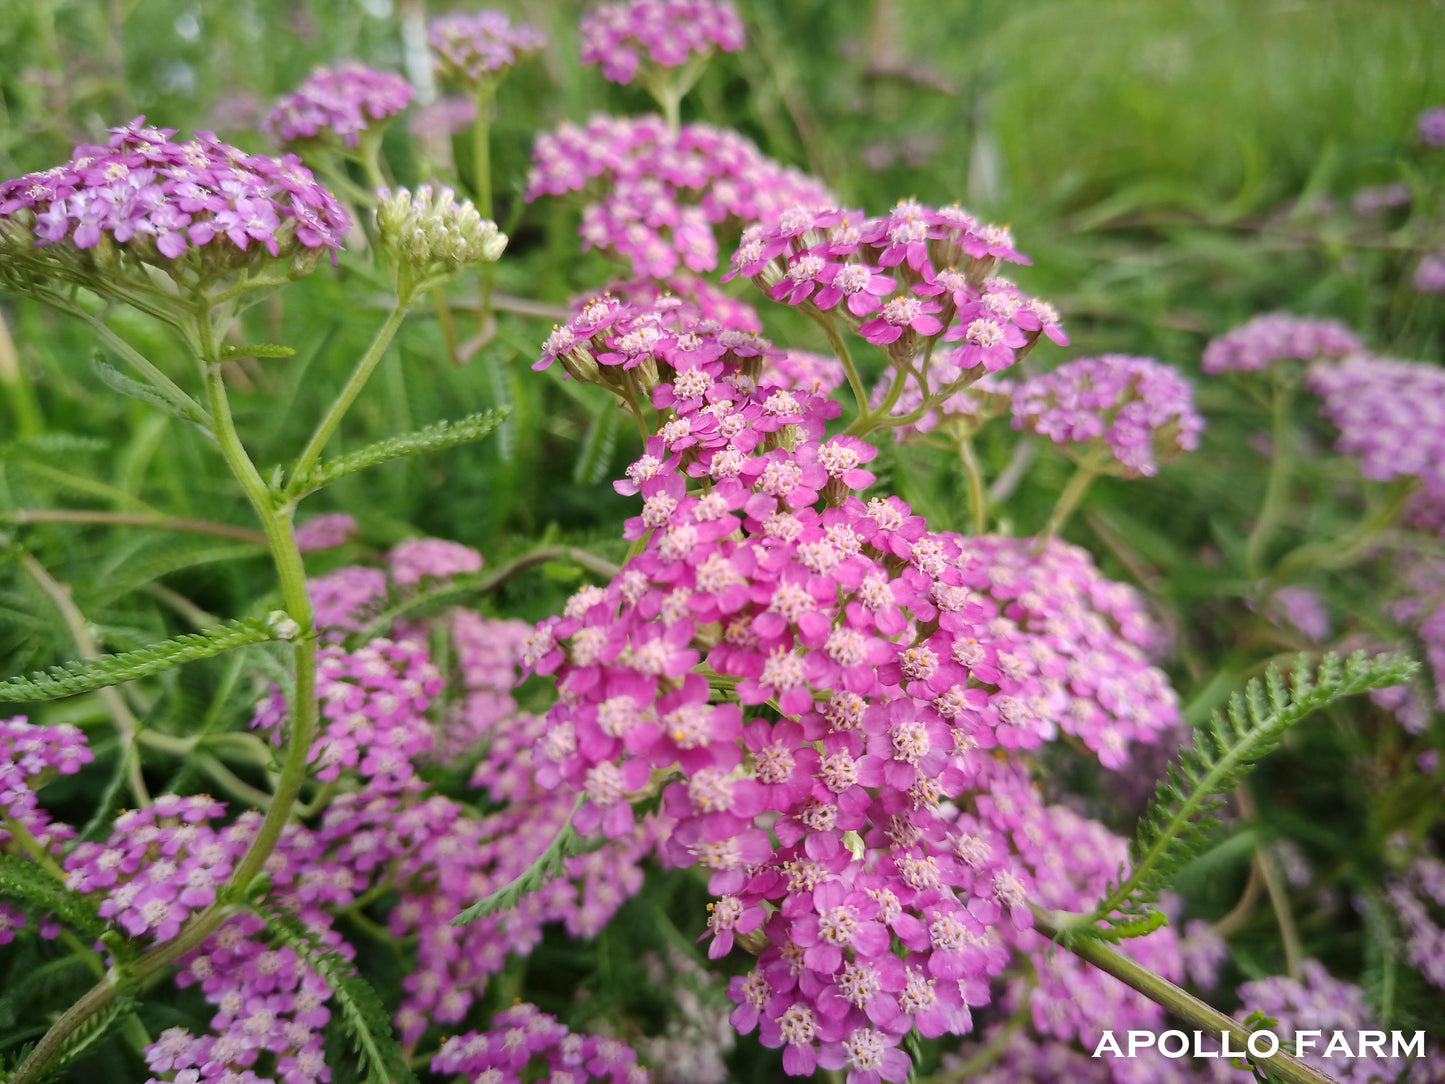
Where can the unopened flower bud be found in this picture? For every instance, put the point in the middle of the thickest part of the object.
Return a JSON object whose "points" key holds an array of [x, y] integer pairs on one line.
{"points": [[431, 236]]}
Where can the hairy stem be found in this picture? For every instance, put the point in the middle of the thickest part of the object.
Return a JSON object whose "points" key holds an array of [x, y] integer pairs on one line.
{"points": [[840, 347], [977, 494], [1068, 501], [1274, 491], [1281, 1067], [309, 457]]}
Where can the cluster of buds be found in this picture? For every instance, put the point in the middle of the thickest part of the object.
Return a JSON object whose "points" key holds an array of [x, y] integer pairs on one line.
{"points": [[430, 236]]}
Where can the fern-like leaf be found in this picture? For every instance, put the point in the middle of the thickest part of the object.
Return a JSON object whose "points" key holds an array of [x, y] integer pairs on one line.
{"points": [[362, 1010], [118, 381], [550, 863], [432, 438], [38, 893], [414, 600], [1180, 818], [87, 675]]}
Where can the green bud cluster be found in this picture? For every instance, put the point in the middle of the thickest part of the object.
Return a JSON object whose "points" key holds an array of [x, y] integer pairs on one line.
{"points": [[430, 236]]}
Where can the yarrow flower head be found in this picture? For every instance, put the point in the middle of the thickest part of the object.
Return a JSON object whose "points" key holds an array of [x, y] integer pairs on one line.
{"points": [[30, 756], [524, 1036], [197, 211], [477, 47], [341, 104], [878, 804], [655, 197], [1390, 414], [1275, 337], [916, 275], [1140, 409], [431, 236], [657, 34]]}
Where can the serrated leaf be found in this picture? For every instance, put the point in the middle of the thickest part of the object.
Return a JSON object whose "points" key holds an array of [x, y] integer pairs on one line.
{"points": [[1180, 818], [39, 893], [362, 1011], [128, 386], [87, 675], [547, 865], [432, 438]]}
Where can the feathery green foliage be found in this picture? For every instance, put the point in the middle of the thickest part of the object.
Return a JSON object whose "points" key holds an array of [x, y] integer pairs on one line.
{"points": [[362, 1010], [117, 381], [87, 675], [548, 864], [431, 438], [38, 893], [1180, 818]]}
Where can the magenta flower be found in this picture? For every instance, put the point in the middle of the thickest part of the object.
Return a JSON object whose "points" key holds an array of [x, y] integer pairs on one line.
{"points": [[900, 314], [473, 47], [662, 33], [343, 102]]}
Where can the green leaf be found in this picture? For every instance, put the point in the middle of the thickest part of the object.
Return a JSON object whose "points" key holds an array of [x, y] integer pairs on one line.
{"points": [[117, 381], [362, 1011], [41, 894], [598, 446], [548, 864], [87, 675], [432, 438], [1179, 821], [413, 600]]}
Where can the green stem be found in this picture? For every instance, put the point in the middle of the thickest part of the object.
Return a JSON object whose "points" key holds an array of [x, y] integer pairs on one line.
{"points": [[1068, 501], [447, 324], [1274, 492], [482, 149], [855, 381], [977, 494], [1281, 1067], [1334, 553], [134, 519], [33, 847], [364, 368]]}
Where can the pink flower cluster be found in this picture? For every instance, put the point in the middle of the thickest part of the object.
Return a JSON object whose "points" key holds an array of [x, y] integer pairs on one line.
{"points": [[325, 532], [913, 275], [416, 559], [1275, 337], [1139, 408], [524, 1040], [373, 711], [160, 198], [341, 599], [474, 47], [1429, 275], [1431, 124], [657, 196], [1391, 414], [1087, 641], [29, 757], [660, 33], [1422, 610], [1319, 1002], [825, 694], [1420, 888], [343, 102], [160, 864]]}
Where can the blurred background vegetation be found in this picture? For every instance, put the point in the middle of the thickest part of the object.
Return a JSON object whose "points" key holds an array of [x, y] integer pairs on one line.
{"points": [[1172, 167]]}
